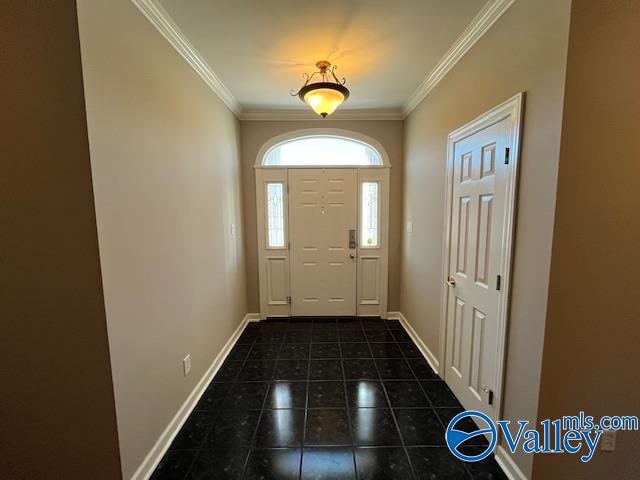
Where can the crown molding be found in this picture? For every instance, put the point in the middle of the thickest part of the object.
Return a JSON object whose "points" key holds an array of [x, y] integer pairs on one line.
{"points": [[482, 22], [163, 22], [274, 115]]}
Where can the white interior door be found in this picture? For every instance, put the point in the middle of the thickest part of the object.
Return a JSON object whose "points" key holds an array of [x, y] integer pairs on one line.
{"points": [[323, 210], [480, 177]]}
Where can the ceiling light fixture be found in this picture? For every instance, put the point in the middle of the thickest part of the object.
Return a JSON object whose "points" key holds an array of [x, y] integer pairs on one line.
{"points": [[326, 95]]}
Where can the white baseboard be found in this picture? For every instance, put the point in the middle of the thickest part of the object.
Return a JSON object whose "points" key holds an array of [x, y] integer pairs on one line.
{"points": [[509, 467], [156, 453], [428, 355], [506, 463]]}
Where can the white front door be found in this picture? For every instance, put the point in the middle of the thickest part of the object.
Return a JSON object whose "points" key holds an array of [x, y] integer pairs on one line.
{"points": [[476, 250], [323, 210]]}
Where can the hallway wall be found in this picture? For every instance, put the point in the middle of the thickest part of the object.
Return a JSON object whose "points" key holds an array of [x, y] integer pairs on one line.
{"points": [[166, 174], [590, 358], [256, 133], [57, 411], [524, 51]]}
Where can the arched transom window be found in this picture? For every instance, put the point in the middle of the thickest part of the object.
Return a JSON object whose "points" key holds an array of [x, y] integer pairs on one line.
{"points": [[322, 150]]}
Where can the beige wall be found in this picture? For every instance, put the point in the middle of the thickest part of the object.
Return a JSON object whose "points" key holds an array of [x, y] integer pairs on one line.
{"points": [[57, 414], [524, 51], [256, 133], [166, 174], [590, 358]]}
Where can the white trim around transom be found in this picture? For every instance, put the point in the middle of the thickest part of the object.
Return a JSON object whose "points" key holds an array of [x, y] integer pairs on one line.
{"points": [[327, 133]]}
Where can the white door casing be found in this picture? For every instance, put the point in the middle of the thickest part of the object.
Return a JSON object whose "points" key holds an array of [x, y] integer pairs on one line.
{"points": [[323, 210], [279, 278], [482, 163]]}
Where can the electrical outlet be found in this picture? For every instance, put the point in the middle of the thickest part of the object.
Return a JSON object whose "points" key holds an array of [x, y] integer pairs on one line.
{"points": [[233, 229], [608, 441], [186, 364], [409, 227]]}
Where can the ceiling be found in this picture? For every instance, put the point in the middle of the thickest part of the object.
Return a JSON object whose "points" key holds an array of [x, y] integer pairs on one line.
{"points": [[259, 49]]}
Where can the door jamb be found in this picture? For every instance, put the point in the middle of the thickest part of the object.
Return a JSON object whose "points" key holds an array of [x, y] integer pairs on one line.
{"points": [[512, 109]]}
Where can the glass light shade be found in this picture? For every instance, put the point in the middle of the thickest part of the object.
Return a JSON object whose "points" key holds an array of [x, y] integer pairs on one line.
{"points": [[324, 101]]}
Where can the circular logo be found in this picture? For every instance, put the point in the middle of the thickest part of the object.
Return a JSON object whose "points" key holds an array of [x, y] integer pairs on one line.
{"points": [[462, 428]]}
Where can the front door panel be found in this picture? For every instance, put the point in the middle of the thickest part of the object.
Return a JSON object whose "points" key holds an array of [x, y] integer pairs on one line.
{"points": [[323, 209]]}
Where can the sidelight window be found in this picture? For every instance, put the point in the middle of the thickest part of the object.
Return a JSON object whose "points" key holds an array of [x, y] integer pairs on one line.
{"points": [[275, 215], [369, 232]]}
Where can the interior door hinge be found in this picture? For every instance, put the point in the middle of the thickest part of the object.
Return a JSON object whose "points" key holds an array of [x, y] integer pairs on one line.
{"points": [[498, 282], [506, 155], [490, 399]]}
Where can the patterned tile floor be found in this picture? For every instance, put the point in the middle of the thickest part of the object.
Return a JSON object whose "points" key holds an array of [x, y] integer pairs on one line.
{"points": [[321, 399]]}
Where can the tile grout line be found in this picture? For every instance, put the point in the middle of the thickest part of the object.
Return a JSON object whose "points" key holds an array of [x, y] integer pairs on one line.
{"points": [[306, 403], [433, 407], [233, 382], [264, 401], [393, 413], [346, 401]]}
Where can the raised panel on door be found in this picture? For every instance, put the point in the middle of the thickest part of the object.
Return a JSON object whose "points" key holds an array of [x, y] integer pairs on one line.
{"points": [[476, 226], [322, 206], [369, 280], [277, 281]]}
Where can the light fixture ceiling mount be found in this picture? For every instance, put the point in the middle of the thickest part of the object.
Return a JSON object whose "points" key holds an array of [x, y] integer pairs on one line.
{"points": [[325, 95]]}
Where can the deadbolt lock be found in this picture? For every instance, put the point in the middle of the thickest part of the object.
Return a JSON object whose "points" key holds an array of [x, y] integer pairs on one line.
{"points": [[352, 239]]}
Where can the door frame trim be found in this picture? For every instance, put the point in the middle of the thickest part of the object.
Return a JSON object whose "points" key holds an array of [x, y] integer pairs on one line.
{"points": [[513, 109], [364, 173]]}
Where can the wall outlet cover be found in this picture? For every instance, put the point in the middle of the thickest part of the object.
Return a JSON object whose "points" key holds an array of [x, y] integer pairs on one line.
{"points": [[608, 441]]}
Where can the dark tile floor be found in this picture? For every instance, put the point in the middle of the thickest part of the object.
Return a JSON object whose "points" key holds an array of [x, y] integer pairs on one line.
{"points": [[321, 399]]}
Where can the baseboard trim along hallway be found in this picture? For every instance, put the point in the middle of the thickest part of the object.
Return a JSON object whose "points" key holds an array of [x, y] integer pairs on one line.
{"points": [[502, 457], [428, 355], [507, 464], [156, 453], [323, 397]]}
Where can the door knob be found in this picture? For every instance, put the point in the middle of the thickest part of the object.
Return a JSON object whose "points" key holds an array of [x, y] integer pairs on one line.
{"points": [[451, 282], [352, 256]]}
